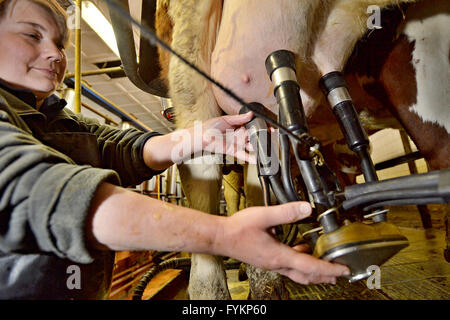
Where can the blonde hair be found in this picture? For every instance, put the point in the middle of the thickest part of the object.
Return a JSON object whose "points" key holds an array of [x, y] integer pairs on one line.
{"points": [[56, 11]]}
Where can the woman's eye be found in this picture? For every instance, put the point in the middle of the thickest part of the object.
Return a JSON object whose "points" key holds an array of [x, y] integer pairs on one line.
{"points": [[33, 36]]}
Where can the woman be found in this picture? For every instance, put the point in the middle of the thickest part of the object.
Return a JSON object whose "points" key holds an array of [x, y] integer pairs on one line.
{"points": [[61, 200]]}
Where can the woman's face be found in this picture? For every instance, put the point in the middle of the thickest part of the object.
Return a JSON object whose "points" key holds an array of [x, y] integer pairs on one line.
{"points": [[31, 53]]}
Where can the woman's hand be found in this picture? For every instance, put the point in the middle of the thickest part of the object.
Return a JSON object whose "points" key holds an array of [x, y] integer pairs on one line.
{"points": [[246, 236], [222, 135], [227, 135]]}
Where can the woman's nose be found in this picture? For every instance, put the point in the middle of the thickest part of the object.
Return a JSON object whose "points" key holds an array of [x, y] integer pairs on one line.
{"points": [[53, 52]]}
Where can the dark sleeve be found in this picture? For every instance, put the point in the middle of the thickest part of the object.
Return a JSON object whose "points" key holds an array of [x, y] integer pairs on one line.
{"points": [[44, 197], [121, 150]]}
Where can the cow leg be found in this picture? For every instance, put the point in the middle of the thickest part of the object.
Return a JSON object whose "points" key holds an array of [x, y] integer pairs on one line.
{"points": [[233, 191], [207, 279], [201, 184], [264, 285]]}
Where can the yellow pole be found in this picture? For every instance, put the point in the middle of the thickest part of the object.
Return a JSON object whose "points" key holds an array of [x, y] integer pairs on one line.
{"points": [[158, 186], [77, 106]]}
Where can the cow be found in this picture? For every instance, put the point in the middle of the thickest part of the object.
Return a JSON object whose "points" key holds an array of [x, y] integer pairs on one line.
{"points": [[231, 39]]}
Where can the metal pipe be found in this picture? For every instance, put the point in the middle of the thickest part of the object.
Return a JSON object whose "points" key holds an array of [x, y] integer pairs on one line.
{"points": [[407, 158], [96, 72], [77, 105], [69, 95], [104, 116], [171, 180], [95, 96], [158, 186]]}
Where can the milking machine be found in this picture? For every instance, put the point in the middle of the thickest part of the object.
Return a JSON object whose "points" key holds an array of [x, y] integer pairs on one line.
{"points": [[333, 231], [367, 240]]}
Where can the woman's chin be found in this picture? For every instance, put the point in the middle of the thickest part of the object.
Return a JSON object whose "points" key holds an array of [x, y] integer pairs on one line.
{"points": [[43, 92]]}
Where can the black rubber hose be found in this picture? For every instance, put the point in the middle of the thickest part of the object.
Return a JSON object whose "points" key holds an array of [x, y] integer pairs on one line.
{"points": [[312, 180], [367, 166], [379, 196], [416, 181], [278, 190], [123, 31], [175, 263], [286, 178], [149, 275], [405, 202]]}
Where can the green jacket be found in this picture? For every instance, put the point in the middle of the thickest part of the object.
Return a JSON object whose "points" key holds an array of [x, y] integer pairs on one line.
{"points": [[51, 163]]}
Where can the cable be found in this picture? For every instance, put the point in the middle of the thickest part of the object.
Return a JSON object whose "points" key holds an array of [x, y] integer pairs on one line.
{"points": [[266, 191], [149, 275], [184, 263]]}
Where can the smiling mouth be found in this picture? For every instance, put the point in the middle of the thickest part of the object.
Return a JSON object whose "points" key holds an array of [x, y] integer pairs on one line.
{"points": [[48, 72]]}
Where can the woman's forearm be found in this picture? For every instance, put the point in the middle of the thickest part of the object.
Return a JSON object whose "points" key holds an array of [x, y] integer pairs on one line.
{"points": [[124, 220], [155, 156], [161, 152]]}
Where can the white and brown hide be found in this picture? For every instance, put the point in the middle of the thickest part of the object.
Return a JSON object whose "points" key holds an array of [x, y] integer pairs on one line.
{"points": [[231, 39]]}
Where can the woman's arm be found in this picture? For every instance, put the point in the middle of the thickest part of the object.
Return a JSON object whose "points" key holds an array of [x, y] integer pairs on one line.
{"points": [[223, 135], [124, 220]]}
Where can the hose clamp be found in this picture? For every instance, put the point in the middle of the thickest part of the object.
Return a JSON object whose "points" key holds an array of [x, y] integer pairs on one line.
{"points": [[329, 211]]}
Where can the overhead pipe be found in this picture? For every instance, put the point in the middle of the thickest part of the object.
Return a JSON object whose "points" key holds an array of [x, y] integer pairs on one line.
{"points": [[108, 119], [99, 99], [68, 94], [96, 72], [148, 58]]}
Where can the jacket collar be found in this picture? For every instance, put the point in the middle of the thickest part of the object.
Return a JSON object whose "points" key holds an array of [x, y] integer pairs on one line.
{"points": [[25, 101]]}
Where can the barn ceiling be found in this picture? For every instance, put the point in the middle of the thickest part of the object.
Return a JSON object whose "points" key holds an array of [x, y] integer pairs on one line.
{"points": [[120, 91]]}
